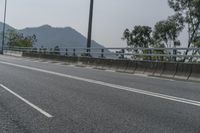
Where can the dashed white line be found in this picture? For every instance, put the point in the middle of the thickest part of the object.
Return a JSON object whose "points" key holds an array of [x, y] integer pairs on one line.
{"points": [[27, 102], [148, 93]]}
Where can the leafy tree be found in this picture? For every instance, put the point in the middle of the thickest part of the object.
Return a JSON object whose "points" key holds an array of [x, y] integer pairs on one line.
{"points": [[139, 37], [16, 39], [190, 10], [166, 32], [196, 41]]}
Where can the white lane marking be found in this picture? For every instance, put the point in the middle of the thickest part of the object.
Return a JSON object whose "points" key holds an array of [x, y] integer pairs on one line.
{"points": [[27, 102], [148, 93]]}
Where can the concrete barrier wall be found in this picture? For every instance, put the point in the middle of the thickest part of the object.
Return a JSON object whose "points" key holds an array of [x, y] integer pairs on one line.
{"points": [[12, 53], [195, 74], [184, 71], [161, 69], [131, 68], [150, 68], [169, 70], [140, 68]]}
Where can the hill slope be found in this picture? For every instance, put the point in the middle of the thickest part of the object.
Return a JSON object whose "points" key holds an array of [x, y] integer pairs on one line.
{"points": [[1, 29], [7, 27], [50, 37]]}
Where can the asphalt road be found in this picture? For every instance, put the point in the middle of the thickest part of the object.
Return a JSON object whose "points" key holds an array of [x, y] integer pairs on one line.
{"points": [[39, 96]]}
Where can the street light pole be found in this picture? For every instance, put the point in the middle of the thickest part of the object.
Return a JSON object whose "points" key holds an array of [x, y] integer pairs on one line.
{"points": [[4, 27], [89, 38]]}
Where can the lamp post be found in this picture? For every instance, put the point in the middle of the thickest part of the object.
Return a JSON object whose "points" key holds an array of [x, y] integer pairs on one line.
{"points": [[90, 27], [4, 26]]}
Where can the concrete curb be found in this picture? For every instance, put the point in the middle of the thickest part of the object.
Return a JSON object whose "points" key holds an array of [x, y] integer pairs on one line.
{"points": [[177, 70]]}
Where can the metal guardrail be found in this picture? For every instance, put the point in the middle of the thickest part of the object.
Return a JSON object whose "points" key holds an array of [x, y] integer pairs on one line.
{"points": [[155, 54]]}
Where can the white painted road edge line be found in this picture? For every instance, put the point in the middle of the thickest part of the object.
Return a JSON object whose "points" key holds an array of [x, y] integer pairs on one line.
{"points": [[27, 102], [148, 93]]}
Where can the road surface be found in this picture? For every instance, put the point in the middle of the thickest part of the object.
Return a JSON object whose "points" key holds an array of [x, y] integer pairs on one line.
{"points": [[39, 96]]}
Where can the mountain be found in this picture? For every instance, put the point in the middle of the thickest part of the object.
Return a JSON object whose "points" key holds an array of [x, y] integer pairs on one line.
{"points": [[49, 37], [7, 27]]}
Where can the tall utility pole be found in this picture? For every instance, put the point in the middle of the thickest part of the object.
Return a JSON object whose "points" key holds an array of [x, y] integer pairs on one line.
{"points": [[4, 27], [89, 38]]}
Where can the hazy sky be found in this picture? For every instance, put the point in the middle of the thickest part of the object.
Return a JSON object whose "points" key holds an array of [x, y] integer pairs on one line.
{"points": [[111, 17]]}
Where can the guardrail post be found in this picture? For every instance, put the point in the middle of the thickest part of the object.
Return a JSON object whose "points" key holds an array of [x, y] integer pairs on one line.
{"points": [[88, 54], [74, 52], [102, 53], [66, 54], [123, 52], [174, 53], [150, 52]]}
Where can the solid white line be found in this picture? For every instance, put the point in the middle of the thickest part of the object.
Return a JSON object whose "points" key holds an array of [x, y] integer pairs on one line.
{"points": [[27, 102], [148, 93]]}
